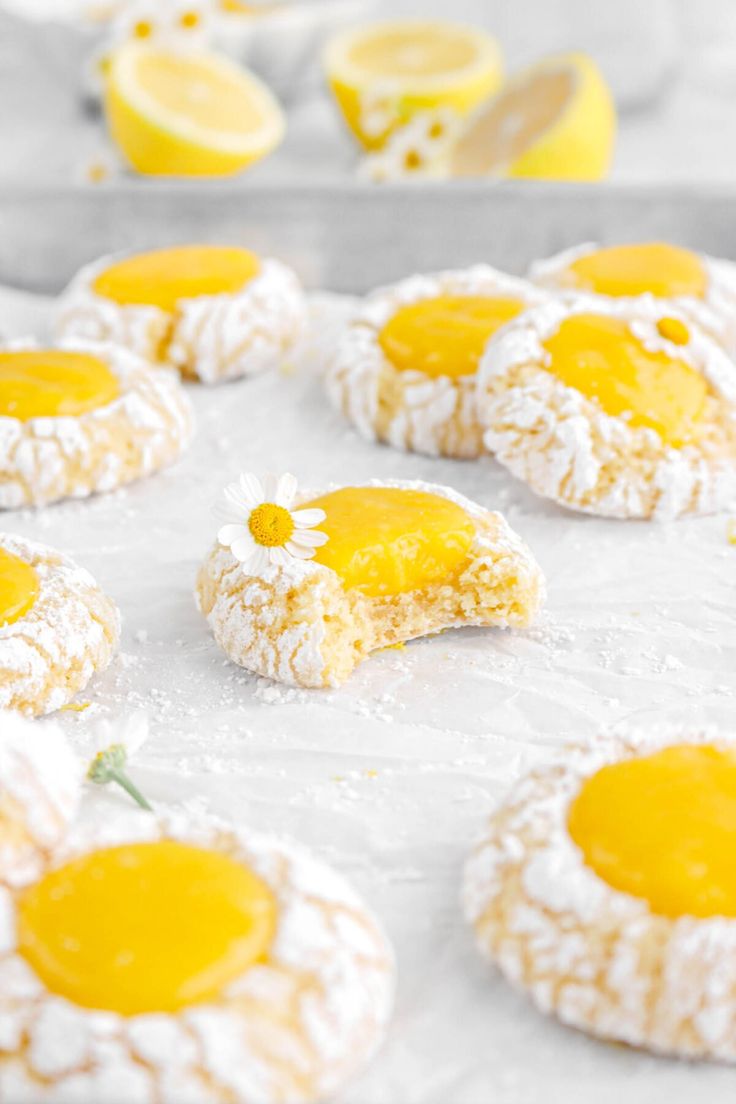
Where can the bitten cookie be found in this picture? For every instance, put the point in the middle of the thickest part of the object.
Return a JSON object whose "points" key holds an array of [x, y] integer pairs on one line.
{"points": [[604, 887], [699, 287], [82, 418], [618, 408], [57, 628], [214, 313], [404, 370], [388, 562]]}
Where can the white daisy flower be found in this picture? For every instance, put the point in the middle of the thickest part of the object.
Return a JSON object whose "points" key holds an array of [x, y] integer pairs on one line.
{"points": [[262, 528], [114, 743], [416, 149]]}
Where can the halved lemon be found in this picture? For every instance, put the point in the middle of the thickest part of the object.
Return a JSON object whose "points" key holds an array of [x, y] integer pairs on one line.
{"points": [[555, 121], [383, 73], [182, 113]]}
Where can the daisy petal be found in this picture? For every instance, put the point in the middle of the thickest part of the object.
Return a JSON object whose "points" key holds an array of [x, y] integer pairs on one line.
{"points": [[224, 511], [251, 488], [279, 556], [299, 551], [285, 490], [309, 538], [270, 486], [305, 519], [243, 547], [228, 534], [257, 562]]}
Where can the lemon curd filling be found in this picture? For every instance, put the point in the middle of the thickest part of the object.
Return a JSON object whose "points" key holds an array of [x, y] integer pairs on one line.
{"points": [[663, 828], [600, 357], [145, 927], [19, 588], [164, 277], [47, 383], [654, 267], [389, 540], [446, 335]]}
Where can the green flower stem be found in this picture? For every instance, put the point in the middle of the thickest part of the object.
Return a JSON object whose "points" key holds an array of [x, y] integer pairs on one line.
{"points": [[109, 766], [130, 788]]}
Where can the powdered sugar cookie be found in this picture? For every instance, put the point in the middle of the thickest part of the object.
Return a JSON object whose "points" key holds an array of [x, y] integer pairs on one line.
{"points": [[605, 887], [40, 786], [84, 417], [701, 288], [57, 628], [617, 408], [170, 959], [212, 312], [404, 371], [388, 562]]}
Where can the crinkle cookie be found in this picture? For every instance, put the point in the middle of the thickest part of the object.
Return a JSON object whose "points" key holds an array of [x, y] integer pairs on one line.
{"points": [[389, 562], [618, 408], [257, 974], [84, 417], [40, 787], [701, 288], [404, 370], [57, 628], [605, 887], [212, 312]]}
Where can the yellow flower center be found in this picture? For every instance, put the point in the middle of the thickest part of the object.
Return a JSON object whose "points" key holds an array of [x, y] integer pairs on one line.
{"points": [[53, 383], [143, 29], [445, 335], [600, 357], [164, 277], [271, 525], [189, 20], [19, 588], [663, 828], [146, 927], [387, 540], [655, 267]]}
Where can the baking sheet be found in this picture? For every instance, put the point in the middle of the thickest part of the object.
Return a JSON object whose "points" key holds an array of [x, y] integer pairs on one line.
{"points": [[390, 777]]}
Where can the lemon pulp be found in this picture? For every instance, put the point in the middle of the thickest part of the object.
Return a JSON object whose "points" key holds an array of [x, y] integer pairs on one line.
{"points": [[655, 267], [388, 540], [445, 335], [165, 276], [145, 927], [47, 383], [601, 358], [19, 587], [413, 51], [663, 828]]}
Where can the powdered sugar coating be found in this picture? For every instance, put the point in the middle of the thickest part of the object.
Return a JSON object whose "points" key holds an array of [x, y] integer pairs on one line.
{"points": [[71, 631], [40, 787], [568, 449], [211, 337], [715, 313], [598, 958], [408, 409], [300, 625], [294, 1027], [145, 428]]}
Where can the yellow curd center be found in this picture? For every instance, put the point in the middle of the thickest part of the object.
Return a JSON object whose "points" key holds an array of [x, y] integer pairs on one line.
{"points": [[387, 540], [19, 587], [445, 336], [654, 267], [145, 927], [600, 357], [162, 278], [47, 383], [663, 828]]}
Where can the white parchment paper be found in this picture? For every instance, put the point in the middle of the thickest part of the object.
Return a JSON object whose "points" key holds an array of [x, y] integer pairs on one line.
{"points": [[390, 777]]}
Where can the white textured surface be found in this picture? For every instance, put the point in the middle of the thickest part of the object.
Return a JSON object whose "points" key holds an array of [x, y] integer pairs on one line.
{"points": [[390, 778]]}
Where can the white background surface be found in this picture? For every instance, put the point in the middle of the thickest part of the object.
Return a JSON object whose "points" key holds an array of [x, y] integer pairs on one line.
{"points": [[390, 777]]}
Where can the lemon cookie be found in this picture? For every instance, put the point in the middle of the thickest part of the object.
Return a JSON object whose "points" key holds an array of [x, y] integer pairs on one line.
{"points": [[84, 417], [605, 887], [57, 628], [700, 287], [404, 371], [212, 312], [40, 786], [617, 408], [389, 562], [161, 958]]}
